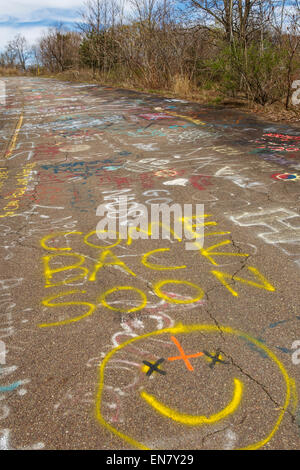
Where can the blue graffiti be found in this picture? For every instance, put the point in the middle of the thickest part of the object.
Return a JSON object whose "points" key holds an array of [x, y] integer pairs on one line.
{"points": [[10, 388]]}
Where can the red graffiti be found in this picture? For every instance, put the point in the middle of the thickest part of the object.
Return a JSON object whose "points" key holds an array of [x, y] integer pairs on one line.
{"points": [[200, 181]]}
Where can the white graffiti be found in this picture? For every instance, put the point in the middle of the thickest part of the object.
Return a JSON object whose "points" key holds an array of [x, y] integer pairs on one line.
{"points": [[280, 230], [177, 182]]}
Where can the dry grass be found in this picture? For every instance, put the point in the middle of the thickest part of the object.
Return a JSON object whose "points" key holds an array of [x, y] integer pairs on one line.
{"points": [[182, 85], [75, 75], [277, 112], [10, 72]]}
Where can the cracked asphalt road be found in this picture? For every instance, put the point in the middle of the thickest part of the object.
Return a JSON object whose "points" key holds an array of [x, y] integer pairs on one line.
{"points": [[129, 343]]}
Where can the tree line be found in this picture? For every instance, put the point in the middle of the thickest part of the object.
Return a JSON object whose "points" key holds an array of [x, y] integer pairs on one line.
{"points": [[247, 48]]}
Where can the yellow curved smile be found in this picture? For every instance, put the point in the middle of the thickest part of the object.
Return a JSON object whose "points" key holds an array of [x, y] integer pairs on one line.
{"points": [[194, 420]]}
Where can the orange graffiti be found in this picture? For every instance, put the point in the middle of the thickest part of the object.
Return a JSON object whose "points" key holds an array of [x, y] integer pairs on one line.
{"points": [[183, 356]]}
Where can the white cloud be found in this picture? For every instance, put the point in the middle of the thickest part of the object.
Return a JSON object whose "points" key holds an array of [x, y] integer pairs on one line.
{"points": [[31, 34], [23, 9], [32, 17]]}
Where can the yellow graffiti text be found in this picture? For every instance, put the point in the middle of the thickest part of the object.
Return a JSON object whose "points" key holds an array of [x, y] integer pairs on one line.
{"points": [[56, 235], [48, 272], [124, 288], [158, 267], [264, 283], [115, 261], [48, 303], [157, 289]]}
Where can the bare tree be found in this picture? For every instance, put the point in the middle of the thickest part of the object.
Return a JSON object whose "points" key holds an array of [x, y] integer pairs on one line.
{"points": [[16, 53], [99, 19], [58, 49], [239, 19], [19, 49]]}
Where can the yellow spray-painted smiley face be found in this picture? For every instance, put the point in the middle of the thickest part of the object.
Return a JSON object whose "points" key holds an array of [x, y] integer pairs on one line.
{"points": [[240, 392]]}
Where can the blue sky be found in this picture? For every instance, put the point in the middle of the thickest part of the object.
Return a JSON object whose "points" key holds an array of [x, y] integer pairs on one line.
{"points": [[32, 17]]}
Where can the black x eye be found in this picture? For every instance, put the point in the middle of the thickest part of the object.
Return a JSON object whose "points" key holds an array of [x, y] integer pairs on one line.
{"points": [[154, 367], [215, 358]]}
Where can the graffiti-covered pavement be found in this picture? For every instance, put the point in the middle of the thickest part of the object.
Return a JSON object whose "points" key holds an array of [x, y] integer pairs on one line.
{"points": [[141, 343]]}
